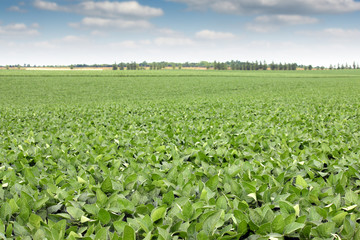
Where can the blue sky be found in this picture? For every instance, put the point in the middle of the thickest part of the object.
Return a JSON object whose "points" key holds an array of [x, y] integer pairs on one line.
{"points": [[317, 32]]}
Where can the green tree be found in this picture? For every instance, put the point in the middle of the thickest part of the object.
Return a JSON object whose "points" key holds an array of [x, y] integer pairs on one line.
{"points": [[71, 66], [310, 67], [114, 66], [265, 66], [272, 66]]}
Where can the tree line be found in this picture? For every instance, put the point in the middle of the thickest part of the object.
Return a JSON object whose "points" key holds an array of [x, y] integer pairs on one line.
{"points": [[216, 65]]}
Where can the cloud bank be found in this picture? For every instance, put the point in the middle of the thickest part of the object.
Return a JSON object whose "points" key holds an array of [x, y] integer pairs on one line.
{"points": [[273, 6]]}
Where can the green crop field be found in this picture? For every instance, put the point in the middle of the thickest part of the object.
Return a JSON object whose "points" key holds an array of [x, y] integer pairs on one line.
{"points": [[179, 154]]}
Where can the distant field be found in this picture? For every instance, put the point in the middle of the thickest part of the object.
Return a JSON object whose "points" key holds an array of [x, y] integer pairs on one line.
{"points": [[179, 154]]}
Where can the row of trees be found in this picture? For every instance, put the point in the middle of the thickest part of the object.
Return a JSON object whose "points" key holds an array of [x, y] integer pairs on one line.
{"points": [[228, 65], [346, 66]]}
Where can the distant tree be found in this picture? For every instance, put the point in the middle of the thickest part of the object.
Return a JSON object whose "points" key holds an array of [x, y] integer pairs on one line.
{"points": [[232, 65], [121, 66], [7, 67], [180, 67], [310, 67], [265, 66], [71, 66], [358, 67], [331, 67], [114, 67], [272, 66], [305, 68]]}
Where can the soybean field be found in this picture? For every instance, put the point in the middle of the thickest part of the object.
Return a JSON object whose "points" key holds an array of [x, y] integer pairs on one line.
{"points": [[179, 154]]}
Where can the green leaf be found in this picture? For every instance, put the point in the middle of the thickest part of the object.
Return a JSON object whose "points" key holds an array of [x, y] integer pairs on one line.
{"points": [[101, 197], [75, 213], [158, 213], [107, 186], [40, 234], [339, 218], [278, 224], [213, 221], [164, 234], [202, 236], [5, 211], [35, 220], [221, 203], [301, 182], [213, 182], [20, 230], [187, 211], [242, 228], [14, 206], [292, 227], [129, 233], [350, 208], [286, 207], [168, 198], [2, 226], [119, 226], [104, 216], [101, 234], [324, 230]]}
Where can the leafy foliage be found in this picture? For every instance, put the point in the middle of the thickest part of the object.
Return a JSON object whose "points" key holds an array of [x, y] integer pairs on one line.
{"points": [[226, 156]]}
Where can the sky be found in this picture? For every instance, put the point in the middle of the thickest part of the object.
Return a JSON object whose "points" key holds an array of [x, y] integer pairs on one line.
{"points": [[53, 32]]}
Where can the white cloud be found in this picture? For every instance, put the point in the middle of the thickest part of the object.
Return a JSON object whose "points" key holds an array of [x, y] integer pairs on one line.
{"points": [[286, 19], [44, 44], [15, 9], [35, 25], [104, 9], [91, 22], [145, 42], [17, 29], [98, 33], [169, 32], [124, 44], [269, 23], [212, 35], [106, 14], [334, 33], [274, 6], [50, 6], [72, 39], [116, 9], [343, 33], [169, 41]]}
